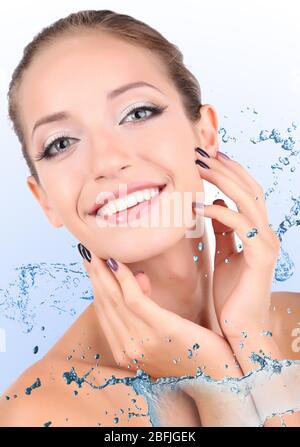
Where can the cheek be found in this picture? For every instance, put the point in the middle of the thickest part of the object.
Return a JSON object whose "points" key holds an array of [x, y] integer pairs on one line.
{"points": [[62, 191]]}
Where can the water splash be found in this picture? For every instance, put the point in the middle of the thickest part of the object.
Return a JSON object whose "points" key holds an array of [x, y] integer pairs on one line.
{"points": [[287, 144], [286, 160], [37, 286], [234, 393], [285, 266]]}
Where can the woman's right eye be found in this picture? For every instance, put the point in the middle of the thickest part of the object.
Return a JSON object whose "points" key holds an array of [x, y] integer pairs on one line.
{"points": [[46, 152]]}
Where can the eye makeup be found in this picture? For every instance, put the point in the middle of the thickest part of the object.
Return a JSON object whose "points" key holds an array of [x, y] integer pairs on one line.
{"points": [[45, 153]]}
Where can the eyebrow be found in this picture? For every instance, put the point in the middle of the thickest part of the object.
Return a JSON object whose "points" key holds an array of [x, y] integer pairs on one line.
{"points": [[59, 116]]}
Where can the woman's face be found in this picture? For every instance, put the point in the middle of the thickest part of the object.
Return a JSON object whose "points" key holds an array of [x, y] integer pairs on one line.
{"points": [[103, 145]]}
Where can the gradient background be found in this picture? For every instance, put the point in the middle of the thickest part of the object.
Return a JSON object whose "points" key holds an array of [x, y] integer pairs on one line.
{"points": [[246, 57]]}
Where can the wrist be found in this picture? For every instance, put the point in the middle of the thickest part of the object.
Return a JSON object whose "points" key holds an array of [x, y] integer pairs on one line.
{"points": [[247, 328]]}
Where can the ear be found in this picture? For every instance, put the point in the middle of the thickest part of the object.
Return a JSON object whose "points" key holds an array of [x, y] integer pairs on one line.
{"points": [[207, 129], [42, 199]]}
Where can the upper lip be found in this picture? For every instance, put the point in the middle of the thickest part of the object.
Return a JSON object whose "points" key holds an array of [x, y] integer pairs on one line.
{"points": [[116, 193]]}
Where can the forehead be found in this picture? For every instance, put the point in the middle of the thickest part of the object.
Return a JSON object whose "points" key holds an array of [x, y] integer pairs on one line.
{"points": [[81, 69]]}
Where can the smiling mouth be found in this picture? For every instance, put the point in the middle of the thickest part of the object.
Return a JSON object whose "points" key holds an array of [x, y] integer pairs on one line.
{"points": [[118, 213]]}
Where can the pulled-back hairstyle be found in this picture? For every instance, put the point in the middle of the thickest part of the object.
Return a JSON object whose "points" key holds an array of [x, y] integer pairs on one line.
{"points": [[122, 26]]}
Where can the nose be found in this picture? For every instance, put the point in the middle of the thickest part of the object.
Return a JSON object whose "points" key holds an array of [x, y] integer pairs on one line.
{"points": [[107, 158]]}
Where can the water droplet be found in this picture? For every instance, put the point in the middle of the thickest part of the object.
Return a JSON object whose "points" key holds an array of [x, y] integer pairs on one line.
{"points": [[196, 346], [115, 420], [289, 310], [201, 246], [195, 258], [227, 260], [252, 233], [266, 333], [35, 349], [244, 334]]}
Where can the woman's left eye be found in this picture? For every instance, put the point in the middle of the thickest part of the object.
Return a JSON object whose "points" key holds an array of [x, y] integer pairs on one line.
{"points": [[153, 109]]}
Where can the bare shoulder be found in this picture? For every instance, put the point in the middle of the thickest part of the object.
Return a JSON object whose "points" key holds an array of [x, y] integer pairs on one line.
{"points": [[285, 313], [45, 396]]}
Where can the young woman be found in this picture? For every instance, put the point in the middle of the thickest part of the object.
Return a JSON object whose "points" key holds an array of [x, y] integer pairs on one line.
{"points": [[129, 112]]}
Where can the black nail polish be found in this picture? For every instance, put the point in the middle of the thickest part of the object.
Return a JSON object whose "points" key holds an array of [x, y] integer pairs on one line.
{"points": [[201, 163], [202, 152], [112, 264], [85, 253]]}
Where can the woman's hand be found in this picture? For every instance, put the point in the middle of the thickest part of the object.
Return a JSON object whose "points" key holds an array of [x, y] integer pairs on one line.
{"points": [[143, 335], [242, 281]]}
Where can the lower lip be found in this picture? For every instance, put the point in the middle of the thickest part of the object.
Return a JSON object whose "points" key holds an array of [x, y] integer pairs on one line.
{"points": [[133, 213]]}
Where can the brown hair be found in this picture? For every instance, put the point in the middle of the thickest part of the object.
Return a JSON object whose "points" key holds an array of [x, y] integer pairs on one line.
{"points": [[126, 28]]}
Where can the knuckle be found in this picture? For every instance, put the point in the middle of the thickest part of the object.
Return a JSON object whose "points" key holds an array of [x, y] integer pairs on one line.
{"points": [[120, 358], [132, 351]]}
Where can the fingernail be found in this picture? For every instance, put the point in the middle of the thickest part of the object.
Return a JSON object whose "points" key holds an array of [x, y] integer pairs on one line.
{"points": [[112, 264], [85, 253], [202, 152], [223, 155], [219, 201], [201, 163]]}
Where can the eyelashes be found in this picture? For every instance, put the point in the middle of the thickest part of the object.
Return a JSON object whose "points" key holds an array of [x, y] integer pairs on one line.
{"points": [[45, 153]]}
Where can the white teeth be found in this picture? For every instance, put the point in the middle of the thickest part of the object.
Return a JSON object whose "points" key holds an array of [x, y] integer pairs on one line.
{"points": [[126, 202]]}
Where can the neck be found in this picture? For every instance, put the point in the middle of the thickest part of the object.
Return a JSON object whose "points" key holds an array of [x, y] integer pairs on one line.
{"points": [[179, 283]]}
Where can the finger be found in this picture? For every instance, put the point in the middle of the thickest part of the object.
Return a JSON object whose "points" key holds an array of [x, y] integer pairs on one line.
{"points": [[265, 253], [224, 236], [114, 337], [253, 186], [114, 327], [238, 222], [246, 203], [140, 304], [102, 278]]}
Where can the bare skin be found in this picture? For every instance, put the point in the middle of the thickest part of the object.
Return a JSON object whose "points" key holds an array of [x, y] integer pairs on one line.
{"points": [[55, 401], [106, 155]]}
